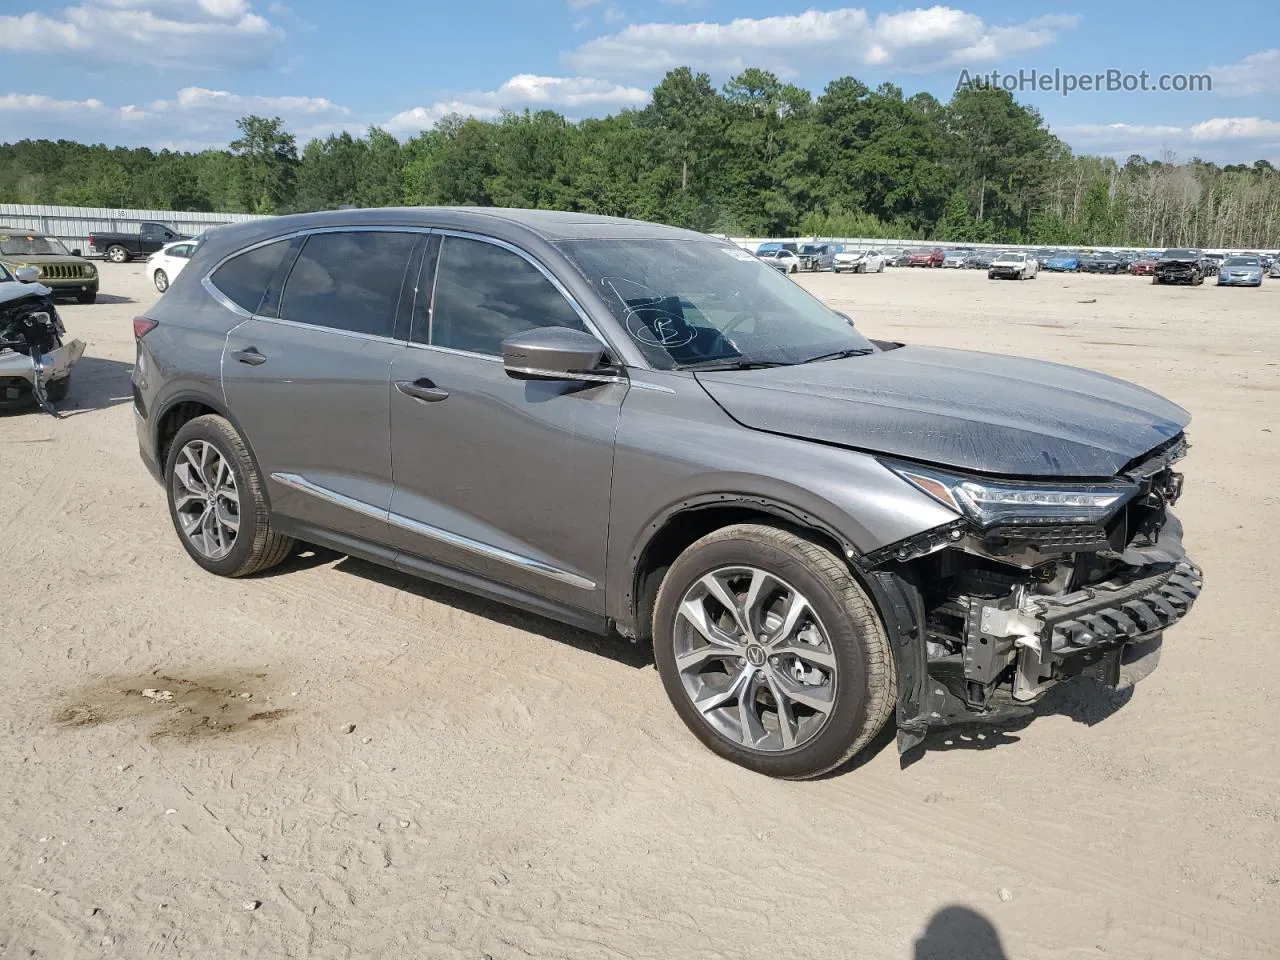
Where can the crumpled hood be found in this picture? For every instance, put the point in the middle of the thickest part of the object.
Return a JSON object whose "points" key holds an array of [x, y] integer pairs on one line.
{"points": [[13, 290], [956, 408]]}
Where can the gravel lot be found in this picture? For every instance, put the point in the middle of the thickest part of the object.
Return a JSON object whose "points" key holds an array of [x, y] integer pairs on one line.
{"points": [[405, 771]]}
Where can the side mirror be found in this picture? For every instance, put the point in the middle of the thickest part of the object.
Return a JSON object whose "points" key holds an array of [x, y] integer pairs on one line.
{"points": [[27, 274], [554, 353], [76, 252]]}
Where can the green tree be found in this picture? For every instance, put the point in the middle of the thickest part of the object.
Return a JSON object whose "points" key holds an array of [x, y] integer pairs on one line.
{"points": [[268, 161]]}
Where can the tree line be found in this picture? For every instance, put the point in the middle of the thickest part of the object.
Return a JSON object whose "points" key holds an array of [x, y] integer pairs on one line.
{"points": [[757, 157]]}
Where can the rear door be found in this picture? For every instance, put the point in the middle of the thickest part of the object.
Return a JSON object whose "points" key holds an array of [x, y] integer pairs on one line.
{"points": [[307, 376], [508, 479]]}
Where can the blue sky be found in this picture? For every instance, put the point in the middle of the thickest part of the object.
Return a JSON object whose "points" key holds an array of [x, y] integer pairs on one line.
{"points": [[178, 72]]}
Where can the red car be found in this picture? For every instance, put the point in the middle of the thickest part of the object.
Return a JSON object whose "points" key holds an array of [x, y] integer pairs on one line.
{"points": [[926, 258], [1142, 268]]}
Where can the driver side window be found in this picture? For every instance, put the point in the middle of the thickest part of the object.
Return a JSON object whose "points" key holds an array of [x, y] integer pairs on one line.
{"points": [[485, 293]]}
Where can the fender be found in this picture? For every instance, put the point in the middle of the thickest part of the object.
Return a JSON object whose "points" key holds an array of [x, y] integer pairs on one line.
{"points": [[219, 406]]}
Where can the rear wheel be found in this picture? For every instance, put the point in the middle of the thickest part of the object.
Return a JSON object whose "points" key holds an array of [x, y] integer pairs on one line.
{"points": [[117, 254], [161, 280], [771, 652], [217, 503]]}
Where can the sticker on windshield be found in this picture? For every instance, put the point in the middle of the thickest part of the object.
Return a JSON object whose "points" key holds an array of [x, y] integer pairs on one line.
{"points": [[737, 253], [660, 329]]}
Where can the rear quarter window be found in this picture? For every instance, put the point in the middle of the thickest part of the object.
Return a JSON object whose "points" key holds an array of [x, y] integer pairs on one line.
{"points": [[243, 279]]}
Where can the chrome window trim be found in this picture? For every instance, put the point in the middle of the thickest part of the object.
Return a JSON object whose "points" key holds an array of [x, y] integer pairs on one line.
{"points": [[302, 484], [583, 377]]}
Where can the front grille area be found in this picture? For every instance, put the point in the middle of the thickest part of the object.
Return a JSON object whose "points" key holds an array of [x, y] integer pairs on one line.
{"points": [[62, 271]]}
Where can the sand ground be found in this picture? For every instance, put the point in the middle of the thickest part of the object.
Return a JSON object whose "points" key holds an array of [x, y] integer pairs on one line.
{"points": [[405, 771]]}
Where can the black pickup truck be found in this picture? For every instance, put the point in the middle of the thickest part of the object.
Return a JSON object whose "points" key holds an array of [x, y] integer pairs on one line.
{"points": [[123, 247]]}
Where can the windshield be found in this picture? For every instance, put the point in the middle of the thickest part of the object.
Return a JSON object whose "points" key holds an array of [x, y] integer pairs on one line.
{"points": [[31, 244], [1181, 255], [1016, 257], [687, 303], [1243, 262]]}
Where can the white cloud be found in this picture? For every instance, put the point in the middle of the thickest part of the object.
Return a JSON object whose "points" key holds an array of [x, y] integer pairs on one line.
{"points": [[918, 40], [1236, 128], [1256, 74], [1219, 139], [160, 33], [569, 94], [194, 115]]}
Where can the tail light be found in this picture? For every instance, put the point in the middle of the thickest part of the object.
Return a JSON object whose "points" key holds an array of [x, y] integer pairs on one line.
{"points": [[142, 326]]}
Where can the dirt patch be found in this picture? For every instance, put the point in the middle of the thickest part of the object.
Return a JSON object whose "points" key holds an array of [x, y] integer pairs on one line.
{"points": [[176, 705]]}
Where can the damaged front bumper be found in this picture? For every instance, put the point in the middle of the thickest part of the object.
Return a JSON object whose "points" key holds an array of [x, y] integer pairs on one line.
{"points": [[984, 621], [18, 373]]}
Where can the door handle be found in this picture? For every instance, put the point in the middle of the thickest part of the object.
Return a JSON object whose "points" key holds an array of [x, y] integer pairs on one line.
{"points": [[422, 389], [250, 355]]}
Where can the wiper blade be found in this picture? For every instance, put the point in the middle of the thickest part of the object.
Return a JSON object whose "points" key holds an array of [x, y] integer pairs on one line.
{"points": [[733, 364], [841, 354]]}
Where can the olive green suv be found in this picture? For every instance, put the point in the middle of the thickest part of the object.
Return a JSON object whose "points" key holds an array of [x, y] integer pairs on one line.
{"points": [[63, 271]]}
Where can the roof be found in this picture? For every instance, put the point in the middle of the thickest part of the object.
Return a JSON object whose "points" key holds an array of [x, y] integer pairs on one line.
{"points": [[501, 222]]}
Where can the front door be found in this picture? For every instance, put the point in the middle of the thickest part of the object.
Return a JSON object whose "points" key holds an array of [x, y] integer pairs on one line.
{"points": [[501, 478], [308, 379]]}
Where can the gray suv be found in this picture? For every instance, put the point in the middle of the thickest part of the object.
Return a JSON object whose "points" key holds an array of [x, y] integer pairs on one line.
{"points": [[639, 429]]}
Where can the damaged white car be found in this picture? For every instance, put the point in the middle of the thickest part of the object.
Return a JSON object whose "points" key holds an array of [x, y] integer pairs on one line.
{"points": [[35, 360]]}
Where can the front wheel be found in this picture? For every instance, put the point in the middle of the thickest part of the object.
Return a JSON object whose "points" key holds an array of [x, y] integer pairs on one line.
{"points": [[217, 502], [771, 652], [87, 296]]}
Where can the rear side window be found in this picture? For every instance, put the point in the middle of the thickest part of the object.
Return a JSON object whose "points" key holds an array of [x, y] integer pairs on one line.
{"points": [[244, 278], [349, 281], [485, 293]]}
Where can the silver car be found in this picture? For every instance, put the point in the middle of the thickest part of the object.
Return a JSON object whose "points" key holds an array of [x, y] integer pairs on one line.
{"points": [[1240, 272], [644, 431]]}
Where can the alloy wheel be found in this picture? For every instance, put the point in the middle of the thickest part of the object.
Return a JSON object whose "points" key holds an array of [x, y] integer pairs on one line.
{"points": [[206, 499], [162, 281], [754, 659]]}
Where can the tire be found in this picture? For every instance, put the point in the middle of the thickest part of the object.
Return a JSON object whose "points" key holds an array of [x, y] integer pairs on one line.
{"points": [[881, 270], [57, 390], [255, 546], [88, 297], [118, 254], [860, 683], [990, 275], [161, 280]]}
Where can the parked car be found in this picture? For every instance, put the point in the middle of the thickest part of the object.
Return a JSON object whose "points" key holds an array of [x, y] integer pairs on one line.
{"points": [[1179, 266], [1274, 269], [914, 530], [897, 258], [955, 259], [818, 256], [858, 261], [1211, 262], [166, 263], [1063, 263], [1102, 263], [925, 258], [65, 272], [1143, 266], [774, 245], [35, 359], [1240, 272], [784, 261], [123, 247], [1013, 265], [980, 259]]}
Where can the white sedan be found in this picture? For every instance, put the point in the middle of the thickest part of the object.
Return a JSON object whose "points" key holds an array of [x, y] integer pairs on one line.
{"points": [[858, 261], [784, 261], [167, 262], [1013, 265]]}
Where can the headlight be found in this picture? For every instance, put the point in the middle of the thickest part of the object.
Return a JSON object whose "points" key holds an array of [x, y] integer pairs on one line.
{"points": [[90, 270], [991, 502]]}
